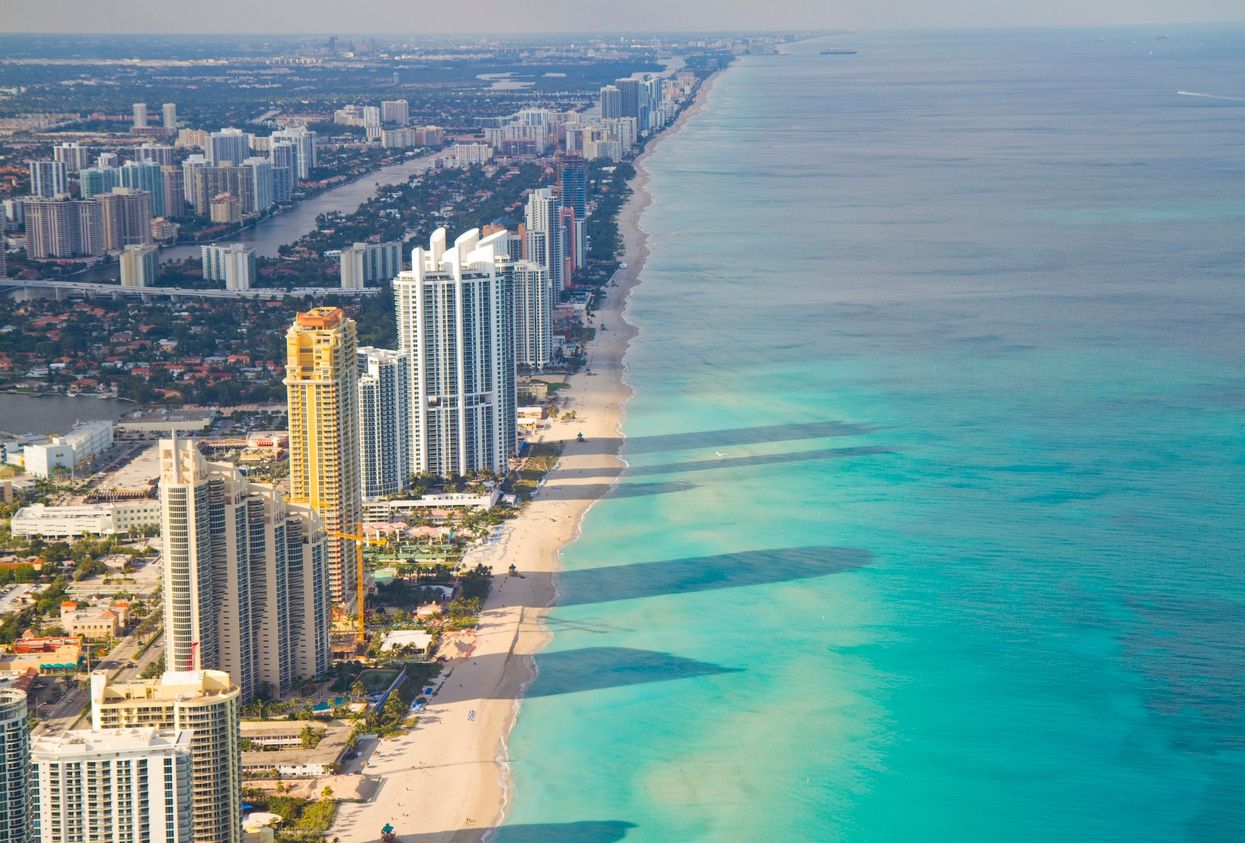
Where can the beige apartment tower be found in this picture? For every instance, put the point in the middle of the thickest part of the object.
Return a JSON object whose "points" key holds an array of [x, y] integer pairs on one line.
{"points": [[205, 702], [246, 576], [321, 379]]}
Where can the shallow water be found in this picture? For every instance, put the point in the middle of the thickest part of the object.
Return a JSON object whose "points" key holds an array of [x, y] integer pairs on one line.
{"points": [[933, 525]]}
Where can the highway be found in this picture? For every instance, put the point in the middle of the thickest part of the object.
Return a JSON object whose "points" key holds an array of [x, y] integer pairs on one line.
{"points": [[89, 288]]}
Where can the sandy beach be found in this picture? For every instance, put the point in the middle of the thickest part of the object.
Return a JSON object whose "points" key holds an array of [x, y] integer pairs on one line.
{"points": [[448, 779]]}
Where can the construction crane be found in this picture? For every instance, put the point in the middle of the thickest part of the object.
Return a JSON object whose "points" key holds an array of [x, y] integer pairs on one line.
{"points": [[359, 540]]}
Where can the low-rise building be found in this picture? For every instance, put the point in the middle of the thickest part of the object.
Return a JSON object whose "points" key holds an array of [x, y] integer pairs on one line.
{"points": [[54, 523], [94, 621], [280, 747]]}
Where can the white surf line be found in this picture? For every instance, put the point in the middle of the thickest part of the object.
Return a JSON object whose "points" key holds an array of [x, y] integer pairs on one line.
{"points": [[1209, 96]]}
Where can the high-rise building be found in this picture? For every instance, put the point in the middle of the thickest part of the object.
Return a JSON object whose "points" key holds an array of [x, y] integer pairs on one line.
{"points": [[48, 179], [140, 115], [573, 184], [225, 208], [155, 153], [629, 97], [174, 190], [204, 702], [233, 263], [573, 193], [140, 265], [117, 785], [611, 101], [14, 766], [193, 163], [395, 112], [126, 217], [245, 576], [261, 183], [92, 181], [369, 263], [545, 243], [169, 111], [284, 157], [305, 142], [64, 228], [384, 422], [455, 313], [533, 314], [321, 385], [148, 177], [209, 182], [228, 146], [107, 159], [73, 155]]}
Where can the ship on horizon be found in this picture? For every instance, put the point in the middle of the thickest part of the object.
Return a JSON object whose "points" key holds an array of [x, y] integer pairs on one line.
{"points": [[838, 51]]}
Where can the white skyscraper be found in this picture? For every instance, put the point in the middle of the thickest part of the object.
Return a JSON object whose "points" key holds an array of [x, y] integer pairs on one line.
{"points": [[14, 766], [116, 785], [384, 421], [245, 576], [73, 155], [396, 112], [369, 263], [48, 178], [545, 243], [140, 115], [456, 324], [169, 111], [228, 145], [261, 182], [233, 263], [305, 141], [533, 314]]}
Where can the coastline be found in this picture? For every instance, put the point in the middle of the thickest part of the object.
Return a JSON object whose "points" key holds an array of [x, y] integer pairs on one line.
{"points": [[448, 780]]}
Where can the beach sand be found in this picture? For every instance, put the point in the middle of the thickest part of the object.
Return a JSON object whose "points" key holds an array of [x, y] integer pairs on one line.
{"points": [[448, 780]]}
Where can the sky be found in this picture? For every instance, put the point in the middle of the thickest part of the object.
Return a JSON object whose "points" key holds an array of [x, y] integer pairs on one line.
{"points": [[401, 17]]}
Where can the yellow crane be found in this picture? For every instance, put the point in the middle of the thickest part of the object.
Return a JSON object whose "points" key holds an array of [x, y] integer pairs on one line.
{"points": [[359, 540]]}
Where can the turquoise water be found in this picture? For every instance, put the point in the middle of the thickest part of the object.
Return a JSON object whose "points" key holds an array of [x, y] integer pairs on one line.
{"points": [[933, 525]]}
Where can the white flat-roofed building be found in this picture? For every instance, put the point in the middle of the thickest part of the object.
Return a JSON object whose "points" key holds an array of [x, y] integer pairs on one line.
{"points": [[47, 459], [88, 440], [168, 421], [386, 510], [115, 785], [99, 519]]}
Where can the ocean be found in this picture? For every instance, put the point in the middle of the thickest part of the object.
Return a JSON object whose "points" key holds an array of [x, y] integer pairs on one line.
{"points": [[933, 523]]}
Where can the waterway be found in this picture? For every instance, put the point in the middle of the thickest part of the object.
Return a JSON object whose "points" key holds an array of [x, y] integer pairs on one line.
{"points": [[270, 234], [55, 413]]}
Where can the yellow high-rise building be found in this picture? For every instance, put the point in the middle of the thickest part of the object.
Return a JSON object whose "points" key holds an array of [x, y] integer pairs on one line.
{"points": [[321, 379]]}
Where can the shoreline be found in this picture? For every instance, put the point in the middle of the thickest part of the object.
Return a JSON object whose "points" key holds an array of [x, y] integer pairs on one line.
{"points": [[464, 794]]}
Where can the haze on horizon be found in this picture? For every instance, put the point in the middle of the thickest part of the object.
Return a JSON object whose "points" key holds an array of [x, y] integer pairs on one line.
{"points": [[402, 17]]}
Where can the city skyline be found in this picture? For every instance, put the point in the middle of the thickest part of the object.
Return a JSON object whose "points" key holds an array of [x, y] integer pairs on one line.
{"points": [[565, 17]]}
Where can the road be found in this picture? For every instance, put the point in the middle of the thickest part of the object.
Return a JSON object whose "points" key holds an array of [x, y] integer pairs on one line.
{"points": [[70, 711], [90, 288]]}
